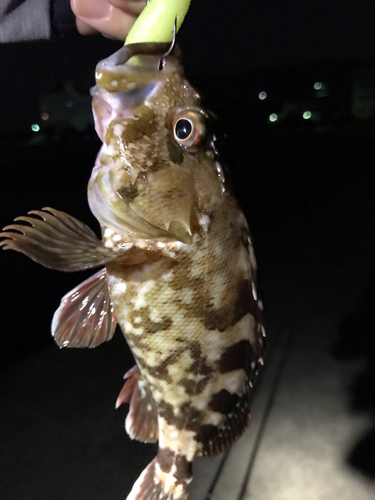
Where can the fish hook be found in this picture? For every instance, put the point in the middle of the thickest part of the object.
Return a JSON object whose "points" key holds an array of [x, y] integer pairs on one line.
{"points": [[162, 60]]}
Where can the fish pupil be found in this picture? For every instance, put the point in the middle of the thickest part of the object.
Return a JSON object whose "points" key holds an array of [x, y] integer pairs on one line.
{"points": [[183, 129]]}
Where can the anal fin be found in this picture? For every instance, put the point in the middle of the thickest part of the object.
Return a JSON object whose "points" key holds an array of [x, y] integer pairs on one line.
{"points": [[85, 317], [141, 422]]}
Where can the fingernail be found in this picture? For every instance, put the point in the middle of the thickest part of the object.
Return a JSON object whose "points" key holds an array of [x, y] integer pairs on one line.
{"points": [[91, 9]]}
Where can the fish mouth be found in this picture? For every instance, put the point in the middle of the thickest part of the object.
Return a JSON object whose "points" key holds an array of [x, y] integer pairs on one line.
{"points": [[126, 52], [122, 86], [126, 218], [116, 72]]}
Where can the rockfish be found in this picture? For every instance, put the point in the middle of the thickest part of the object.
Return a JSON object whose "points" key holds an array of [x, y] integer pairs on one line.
{"points": [[180, 276]]}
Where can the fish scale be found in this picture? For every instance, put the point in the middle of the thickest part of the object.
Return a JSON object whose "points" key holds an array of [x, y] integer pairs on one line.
{"points": [[180, 274]]}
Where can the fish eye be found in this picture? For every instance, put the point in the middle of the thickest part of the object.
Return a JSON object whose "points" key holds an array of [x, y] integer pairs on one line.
{"points": [[189, 127], [183, 129]]}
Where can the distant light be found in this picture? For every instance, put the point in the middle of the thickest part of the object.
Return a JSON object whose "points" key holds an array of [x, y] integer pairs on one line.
{"points": [[35, 127], [273, 117], [318, 85], [306, 115], [69, 103], [44, 116], [262, 95]]}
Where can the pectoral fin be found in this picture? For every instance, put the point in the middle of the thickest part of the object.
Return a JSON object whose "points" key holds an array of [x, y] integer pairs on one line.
{"points": [[86, 317], [59, 241]]}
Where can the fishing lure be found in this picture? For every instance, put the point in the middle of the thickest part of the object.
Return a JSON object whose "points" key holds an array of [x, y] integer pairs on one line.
{"points": [[180, 276]]}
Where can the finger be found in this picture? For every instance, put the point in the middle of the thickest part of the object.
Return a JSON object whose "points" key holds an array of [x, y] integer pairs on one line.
{"points": [[91, 9], [85, 29], [132, 7], [102, 16], [116, 25], [96, 9]]}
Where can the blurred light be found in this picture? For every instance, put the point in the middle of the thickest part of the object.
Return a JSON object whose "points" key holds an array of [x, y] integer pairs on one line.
{"points": [[318, 85], [69, 103], [306, 115], [262, 95], [35, 127], [273, 117], [44, 116]]}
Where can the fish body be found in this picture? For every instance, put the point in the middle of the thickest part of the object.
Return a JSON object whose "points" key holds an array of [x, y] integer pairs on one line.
{"points": [[180, 272]]}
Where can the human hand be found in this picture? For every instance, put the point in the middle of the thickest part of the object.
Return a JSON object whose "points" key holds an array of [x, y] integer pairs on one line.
{"points": [[112, 18]]}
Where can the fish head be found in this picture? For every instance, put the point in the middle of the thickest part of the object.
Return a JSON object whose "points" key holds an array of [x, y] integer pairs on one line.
{"points": [[157, 168]]}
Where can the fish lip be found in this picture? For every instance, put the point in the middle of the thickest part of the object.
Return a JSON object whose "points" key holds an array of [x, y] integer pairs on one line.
{"points": [[150, 55], [126, 52]]}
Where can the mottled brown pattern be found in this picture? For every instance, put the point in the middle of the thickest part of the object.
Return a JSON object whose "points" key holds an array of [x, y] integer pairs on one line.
{"points": [[166, 411], [153, 326], [187, 417], [199, 371], [223, 402], [161, 370], [237, 356], [146, 322], [200, 364], [137, 128], [128, 192], [190, 315], [175, 152], [215, 439], [207, 433], [166, 458], [184, 470], [192, 416], [183, 280], [192, 386], [150, 327], [231, 313]]}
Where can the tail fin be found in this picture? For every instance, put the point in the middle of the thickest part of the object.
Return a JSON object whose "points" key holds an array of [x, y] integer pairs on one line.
{"points": [[167, 477]]}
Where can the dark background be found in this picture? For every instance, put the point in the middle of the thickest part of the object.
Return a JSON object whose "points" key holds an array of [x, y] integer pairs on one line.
{"points": [[228, 38], [307, 189]]}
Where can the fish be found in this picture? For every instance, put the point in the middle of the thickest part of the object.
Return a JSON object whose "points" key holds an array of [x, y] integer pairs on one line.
{"points": [[177, 273]]}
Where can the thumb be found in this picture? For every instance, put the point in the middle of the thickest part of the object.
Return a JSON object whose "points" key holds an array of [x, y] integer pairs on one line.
{"points": [[112, 18]]}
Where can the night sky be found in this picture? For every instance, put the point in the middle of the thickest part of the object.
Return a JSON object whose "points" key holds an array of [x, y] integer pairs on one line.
{"points": [[214, 40]]}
